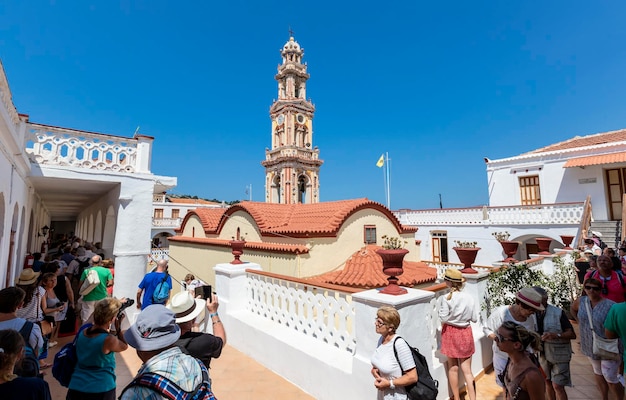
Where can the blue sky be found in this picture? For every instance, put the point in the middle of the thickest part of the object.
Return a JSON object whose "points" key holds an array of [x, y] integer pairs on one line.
{"points": [[438, 85]]}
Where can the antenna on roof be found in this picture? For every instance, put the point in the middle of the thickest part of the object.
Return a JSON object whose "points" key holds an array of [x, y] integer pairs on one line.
{"points": [[137, 130]]}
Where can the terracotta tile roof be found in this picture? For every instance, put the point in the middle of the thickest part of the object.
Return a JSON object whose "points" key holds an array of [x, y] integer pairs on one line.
{"points": [[596, 160], [271, 247], [192, 201], [209, 217], [364, 269], [585, 141], [319, 219]]}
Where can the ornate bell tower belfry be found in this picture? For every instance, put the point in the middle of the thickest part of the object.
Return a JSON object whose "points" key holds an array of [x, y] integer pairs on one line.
{"points": [[292, 164]]}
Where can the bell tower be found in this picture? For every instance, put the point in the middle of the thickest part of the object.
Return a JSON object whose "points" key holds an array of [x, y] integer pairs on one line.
{"points": [[292, 164]]}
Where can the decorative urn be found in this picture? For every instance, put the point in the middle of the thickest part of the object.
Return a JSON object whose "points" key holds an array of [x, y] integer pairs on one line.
{"points": [[467, 256], [237, 250], [567, 240], [543, 244], [392, 267], [509, 248]]}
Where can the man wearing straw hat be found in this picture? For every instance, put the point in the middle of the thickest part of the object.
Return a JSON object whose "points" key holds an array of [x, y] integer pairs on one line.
{"points": [[203, 346], [527, 303]]}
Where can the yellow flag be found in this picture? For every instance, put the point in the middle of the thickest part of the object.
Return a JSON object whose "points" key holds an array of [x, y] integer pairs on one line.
{"points": [[381, 161]]}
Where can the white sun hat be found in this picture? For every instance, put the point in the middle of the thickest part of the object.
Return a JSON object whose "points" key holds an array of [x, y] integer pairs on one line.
{"points": [[186, 307]]}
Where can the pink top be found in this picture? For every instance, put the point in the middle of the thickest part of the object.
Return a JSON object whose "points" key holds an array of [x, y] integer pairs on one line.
{"points": [[612, 284]]}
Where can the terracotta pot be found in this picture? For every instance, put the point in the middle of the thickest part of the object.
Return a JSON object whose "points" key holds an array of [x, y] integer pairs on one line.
{"points": [[467, 256], [544, 245], [392, 267], [509, 248], [237, 250], [567, 240]]}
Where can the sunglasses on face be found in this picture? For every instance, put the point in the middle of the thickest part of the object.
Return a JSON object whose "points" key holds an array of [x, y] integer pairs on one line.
{"points": [[594, 288], [526, 306], [378, 322], [503, 339]]}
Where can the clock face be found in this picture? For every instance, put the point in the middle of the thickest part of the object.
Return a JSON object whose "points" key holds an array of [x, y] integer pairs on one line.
{"points": [[300, 118], [280, 119]]}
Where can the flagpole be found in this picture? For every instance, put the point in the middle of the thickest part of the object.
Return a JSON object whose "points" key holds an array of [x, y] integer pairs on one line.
{"points": [[388, 182]]}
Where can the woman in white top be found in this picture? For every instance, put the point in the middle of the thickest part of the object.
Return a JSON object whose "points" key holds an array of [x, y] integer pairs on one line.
{"points": [[456, 311], [391, 373]]}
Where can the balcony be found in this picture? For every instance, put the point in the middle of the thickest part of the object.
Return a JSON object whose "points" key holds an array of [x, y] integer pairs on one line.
{"points": [[540, 214], [166, 222], [49, 145]]}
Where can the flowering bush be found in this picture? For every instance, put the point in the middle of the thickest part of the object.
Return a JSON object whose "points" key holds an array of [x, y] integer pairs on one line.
{"points": [[391, 243], [465, 245], [501, 236]]}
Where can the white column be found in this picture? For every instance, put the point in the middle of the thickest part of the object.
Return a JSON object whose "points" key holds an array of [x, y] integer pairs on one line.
{"points": [[230, 286], [144, 153]]}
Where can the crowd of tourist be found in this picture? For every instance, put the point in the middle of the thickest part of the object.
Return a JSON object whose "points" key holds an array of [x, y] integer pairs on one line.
{"points": [[532, 339]]}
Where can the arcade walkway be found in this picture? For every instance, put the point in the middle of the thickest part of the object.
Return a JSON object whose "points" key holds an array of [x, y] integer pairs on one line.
{"points": [[238, 377]]}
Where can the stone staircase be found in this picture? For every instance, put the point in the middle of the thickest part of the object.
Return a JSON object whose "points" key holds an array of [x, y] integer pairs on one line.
{"points": [[610, 230]]}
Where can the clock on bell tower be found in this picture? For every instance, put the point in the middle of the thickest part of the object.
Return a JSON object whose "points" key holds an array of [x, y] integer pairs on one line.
{"points": [[292, 163]]}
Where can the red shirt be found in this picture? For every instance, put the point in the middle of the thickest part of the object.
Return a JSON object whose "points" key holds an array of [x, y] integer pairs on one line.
{"points": [[613, 285]]}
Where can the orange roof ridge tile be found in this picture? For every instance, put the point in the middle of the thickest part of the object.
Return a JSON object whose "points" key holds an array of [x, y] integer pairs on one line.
{"points": [[364, 269]]}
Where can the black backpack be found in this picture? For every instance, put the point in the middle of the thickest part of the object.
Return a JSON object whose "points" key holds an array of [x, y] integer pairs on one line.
{"points": [[82, 265], [426, 388], [29, 365]]}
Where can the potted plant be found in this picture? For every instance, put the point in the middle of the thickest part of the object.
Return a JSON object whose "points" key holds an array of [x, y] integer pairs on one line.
{"points": [[237, 245], [509, 247], [392, 254], [543, 243], [466, 251]]}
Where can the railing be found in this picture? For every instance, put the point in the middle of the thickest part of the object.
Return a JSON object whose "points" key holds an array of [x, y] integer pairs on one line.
{"points": [[542, 214], [68, 147], [585, 223], [157, 254], [442, 266], [623, 227], [322, 313], [292, 151], [158, 198], [166, 222]]}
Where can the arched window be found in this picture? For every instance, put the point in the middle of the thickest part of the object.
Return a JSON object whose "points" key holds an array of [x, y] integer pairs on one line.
{"points": [[302, 194]]}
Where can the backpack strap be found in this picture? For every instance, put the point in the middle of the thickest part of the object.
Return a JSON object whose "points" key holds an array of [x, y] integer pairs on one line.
{"points": [[166, 387], [395, 351], [25, 331], [620, 276]]}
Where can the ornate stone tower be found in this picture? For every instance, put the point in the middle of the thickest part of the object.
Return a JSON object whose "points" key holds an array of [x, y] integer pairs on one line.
{"points": [[292, 164]]}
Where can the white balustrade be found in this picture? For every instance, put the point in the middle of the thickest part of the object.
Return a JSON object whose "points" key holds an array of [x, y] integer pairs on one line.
{"points": [[68, 147], [158, 198], [442, 266], [542, 214], [159, 254], [324, 314], [166, 222]]}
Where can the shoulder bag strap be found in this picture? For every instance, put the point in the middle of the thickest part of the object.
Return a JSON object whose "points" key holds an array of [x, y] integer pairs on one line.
{"points": [[38, 302], [588, 307]]}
